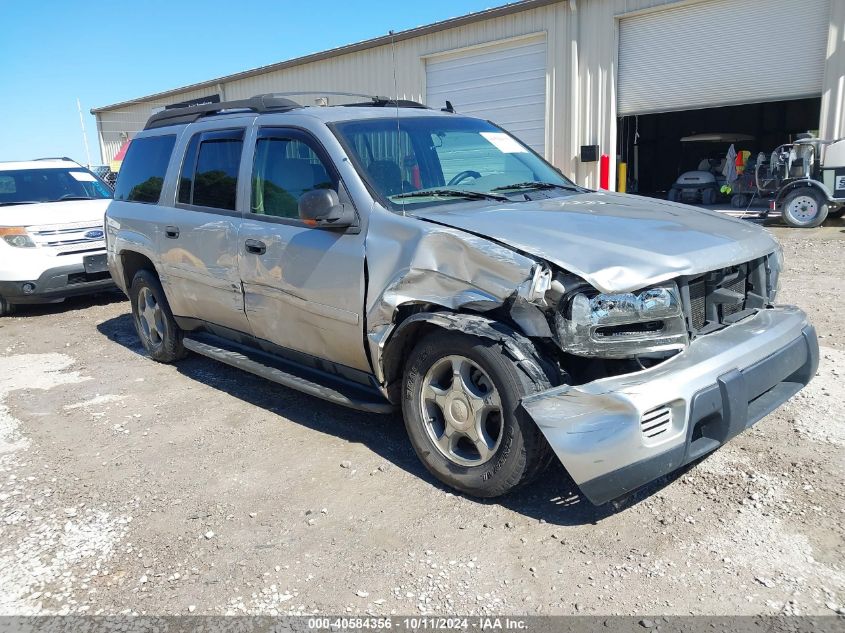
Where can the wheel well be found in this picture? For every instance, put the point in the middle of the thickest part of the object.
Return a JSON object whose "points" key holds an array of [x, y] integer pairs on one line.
{"points": [[399, 350], [132, 263], [803, 185], [415, 325]]}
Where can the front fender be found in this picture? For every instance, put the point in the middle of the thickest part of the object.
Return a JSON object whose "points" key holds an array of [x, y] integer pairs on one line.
{"points": [[423, 264]]}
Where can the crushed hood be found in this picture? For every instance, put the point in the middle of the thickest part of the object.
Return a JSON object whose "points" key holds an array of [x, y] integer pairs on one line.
{"points": [[616, 242]]}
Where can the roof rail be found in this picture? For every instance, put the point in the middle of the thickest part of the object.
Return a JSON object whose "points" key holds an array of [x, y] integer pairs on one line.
{"points": [[323, 93], [189, 114], [374, 100], [57, 158], [272, 102], [384, 102]]}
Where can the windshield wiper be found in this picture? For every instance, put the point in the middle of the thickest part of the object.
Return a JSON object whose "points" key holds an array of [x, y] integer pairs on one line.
{"points": [[63, 198], [451, 193], [9, 204], [536, 185]]}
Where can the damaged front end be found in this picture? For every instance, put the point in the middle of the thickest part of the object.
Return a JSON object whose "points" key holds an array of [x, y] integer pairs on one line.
{"points": [[629, 385]]}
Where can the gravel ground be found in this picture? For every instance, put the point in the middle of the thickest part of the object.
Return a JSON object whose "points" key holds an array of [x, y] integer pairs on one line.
{"points": [[127, 486]]}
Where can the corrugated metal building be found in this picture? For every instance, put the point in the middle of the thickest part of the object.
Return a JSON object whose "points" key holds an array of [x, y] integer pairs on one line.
{"points": [[629, 76]]}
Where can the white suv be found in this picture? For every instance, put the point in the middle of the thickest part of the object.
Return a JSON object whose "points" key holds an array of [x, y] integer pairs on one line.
{"points": [[51, 232]]}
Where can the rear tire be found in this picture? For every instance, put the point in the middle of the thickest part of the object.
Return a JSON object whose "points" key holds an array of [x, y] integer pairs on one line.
{"points": [[154, 322], [804, 208], [6, 308], [460, 401]]}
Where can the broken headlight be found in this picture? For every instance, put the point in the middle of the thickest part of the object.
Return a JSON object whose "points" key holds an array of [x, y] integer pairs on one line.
{"points": [[774, 266], [622, 325]]}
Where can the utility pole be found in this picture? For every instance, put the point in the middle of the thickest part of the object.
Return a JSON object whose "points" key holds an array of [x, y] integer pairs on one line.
{"points": [[84, 136]]}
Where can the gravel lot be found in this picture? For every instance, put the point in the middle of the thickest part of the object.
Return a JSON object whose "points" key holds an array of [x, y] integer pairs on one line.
{"points": [[133, 487]]}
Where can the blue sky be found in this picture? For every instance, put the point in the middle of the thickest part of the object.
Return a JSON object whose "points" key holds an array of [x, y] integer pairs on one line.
{"points": [[53, 51]]}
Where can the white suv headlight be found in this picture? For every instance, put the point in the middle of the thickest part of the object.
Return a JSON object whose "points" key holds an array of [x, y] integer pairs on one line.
{"points": [[16, 236], [623, 325]]}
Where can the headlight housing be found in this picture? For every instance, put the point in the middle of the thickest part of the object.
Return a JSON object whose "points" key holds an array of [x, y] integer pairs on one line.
{"points": [[622, 325], [16, 236], [774, 266]]}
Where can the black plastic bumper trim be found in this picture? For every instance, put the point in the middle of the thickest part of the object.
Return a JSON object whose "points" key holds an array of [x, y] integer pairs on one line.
{"points": [[53, 285]]}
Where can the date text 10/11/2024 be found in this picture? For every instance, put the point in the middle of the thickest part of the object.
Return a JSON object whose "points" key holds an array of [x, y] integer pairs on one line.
{"points": [[420, 623]]}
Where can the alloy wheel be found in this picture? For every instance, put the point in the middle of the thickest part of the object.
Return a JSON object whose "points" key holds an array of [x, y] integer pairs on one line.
{"points": [[462, 410], [151, 318]]}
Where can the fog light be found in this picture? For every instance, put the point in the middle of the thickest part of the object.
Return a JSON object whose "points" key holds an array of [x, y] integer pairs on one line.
{"points": [[28, 288]]}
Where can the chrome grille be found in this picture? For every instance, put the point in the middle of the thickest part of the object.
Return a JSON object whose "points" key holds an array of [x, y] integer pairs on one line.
{"points": [[65, 239], [656, 422]]}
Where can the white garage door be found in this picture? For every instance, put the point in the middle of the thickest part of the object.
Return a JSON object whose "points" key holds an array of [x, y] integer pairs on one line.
{"points": [[505, 83], [722, 52]]}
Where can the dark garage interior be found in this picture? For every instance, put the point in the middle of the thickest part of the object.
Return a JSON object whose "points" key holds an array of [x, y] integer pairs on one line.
{"points": [[650, 144]]}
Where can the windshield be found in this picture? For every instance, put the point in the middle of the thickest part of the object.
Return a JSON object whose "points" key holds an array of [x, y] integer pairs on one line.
{"points": [[27, 186], [424, 161]]}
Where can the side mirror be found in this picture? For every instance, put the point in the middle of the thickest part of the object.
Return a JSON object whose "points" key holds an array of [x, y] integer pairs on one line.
{"points": [[322, 208]]}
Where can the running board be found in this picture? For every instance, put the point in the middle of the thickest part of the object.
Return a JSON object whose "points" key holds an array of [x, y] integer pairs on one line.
{"points": [[262, 364]]}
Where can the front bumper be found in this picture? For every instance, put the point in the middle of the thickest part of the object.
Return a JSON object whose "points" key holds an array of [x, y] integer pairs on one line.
{"points": [[615, 434], [56, 284]]}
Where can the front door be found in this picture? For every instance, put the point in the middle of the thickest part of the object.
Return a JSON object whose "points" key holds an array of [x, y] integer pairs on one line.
{"points": [[303, 286], [200, 245]]}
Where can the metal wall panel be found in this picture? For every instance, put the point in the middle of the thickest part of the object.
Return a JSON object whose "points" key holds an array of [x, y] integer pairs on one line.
{"points": [[115, 126], [581, 87], [504, 83], [832, 123], [721, 52]]}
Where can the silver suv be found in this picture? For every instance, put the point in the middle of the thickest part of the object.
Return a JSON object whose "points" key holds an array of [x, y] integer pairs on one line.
{"points": [[383, 255]]}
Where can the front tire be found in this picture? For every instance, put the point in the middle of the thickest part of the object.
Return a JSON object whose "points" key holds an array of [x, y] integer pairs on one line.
{"points": [[154, 322], [804, 208], [460, 401], [709, 196]]}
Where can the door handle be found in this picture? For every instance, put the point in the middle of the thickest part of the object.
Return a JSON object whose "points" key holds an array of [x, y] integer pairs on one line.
{"points": [[171, 231], [255, 246]]}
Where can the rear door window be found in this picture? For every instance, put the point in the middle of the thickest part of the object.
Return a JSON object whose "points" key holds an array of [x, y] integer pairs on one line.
{"points": [[209, 176], [142, 173]]}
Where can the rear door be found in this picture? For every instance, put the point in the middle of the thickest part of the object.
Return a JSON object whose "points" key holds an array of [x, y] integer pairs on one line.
{"points": [[199, 246], [303, 286]]}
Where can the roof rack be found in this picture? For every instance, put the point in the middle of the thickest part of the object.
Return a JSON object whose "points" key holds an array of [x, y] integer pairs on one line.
{"points": [[56, 158], [189, 114], [272, 102], [383, 102]]}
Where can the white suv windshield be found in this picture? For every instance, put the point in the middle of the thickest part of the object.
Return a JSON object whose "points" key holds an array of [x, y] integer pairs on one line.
{"points": [[424, 161], [28, 186]]}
